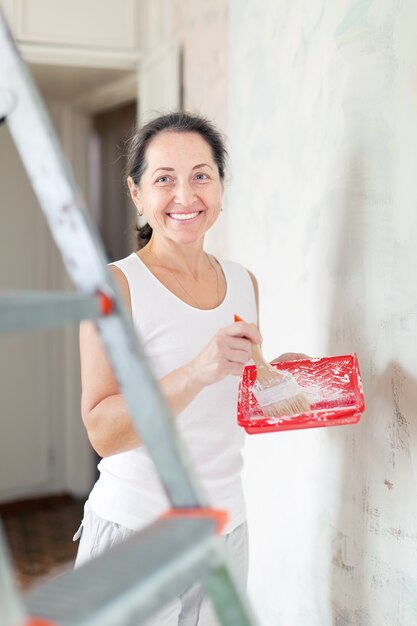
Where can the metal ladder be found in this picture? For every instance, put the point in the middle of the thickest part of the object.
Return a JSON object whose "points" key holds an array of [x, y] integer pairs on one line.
{"points": [[132, 581]]}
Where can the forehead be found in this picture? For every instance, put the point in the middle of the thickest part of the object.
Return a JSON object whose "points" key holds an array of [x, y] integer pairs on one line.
{"points": [[172, 149]]}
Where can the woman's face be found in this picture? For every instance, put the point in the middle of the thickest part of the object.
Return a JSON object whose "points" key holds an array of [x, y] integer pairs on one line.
{"points": [[180, 192]]}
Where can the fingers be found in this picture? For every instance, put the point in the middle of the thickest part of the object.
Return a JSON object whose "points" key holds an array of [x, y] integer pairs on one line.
{"points": [[234, 349], [236, 369], [243, 329], [227, 353], [239, 349], [238, 356]]}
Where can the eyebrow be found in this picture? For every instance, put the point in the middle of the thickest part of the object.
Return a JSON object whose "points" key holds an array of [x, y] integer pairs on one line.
{"points": [[171, 169]]}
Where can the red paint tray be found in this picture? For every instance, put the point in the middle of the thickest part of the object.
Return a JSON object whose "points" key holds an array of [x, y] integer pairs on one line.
{"points": [[332, 384]]}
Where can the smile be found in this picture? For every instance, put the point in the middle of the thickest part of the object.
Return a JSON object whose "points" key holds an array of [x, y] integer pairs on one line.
{"points": [[184, 217]]}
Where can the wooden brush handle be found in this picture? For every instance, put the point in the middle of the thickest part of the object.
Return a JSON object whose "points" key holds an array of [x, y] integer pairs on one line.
{"points": [[258, 357]]}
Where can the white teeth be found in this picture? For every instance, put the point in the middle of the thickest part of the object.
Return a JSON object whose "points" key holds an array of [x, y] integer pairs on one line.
{"points": [[183, 216]]}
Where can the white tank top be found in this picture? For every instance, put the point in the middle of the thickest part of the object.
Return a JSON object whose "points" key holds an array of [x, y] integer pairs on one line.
{"points": [[172, 332]]}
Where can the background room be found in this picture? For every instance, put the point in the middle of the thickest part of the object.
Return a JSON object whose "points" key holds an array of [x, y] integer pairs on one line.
{"points": [[319, 103]]}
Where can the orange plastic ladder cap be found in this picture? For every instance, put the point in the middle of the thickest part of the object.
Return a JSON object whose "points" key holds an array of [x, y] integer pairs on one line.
{"points": [[220, 517], [38, 621], [106, 303]]}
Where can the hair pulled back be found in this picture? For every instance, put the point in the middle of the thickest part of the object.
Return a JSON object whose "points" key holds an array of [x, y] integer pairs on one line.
{"points": [[177, 121]]}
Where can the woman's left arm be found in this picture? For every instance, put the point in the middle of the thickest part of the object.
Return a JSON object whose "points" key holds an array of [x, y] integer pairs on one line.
{"points": [[291, 356], [287, 356]]}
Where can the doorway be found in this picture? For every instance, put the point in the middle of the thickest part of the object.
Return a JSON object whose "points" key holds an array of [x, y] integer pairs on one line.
{"points": [[109, 197]]}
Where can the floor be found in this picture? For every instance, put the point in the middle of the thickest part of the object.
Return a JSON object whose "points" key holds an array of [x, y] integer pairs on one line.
{"points": [[39, 536]]}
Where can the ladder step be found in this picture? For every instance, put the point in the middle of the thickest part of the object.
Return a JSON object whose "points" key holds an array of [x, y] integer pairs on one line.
{"points": [[133, 580], [11, 609], [30, 310]]}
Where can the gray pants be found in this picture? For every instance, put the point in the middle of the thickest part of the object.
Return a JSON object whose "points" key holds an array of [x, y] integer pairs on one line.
{"points": [[191, 608]]}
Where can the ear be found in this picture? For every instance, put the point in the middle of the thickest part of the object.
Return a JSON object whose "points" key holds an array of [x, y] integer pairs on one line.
{"points": [[134, 194]]}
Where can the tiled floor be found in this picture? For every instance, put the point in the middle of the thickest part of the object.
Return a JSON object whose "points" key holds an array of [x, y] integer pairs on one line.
{"points": [[39, 535]]}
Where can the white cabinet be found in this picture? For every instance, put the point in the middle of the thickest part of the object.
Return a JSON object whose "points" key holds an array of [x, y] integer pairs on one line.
{"points": [[111, 24], [83, 33]]}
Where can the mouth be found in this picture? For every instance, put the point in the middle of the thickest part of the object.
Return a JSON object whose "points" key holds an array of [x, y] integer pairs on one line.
{"points": [[184, 217]]}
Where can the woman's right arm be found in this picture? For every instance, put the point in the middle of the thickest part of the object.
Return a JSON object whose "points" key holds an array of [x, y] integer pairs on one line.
{"points": [[104, 411], [103, 408]]}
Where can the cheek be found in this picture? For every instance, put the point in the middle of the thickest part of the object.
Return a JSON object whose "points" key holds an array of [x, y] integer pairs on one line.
{"points": [[214, 199], [156, 216], [219, 202], [156, 204], [156, 212]]}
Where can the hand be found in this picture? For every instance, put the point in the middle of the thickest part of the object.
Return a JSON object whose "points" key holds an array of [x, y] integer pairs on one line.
{"points": [[226, 354], [291, 356]]}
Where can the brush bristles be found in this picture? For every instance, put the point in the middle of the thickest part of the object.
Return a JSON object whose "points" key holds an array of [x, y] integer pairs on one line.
{"points": [[291, 406], [278, 393]]}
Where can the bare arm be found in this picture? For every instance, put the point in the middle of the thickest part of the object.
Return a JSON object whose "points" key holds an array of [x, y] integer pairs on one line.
{"points": [[291, 356], [103, 408]]}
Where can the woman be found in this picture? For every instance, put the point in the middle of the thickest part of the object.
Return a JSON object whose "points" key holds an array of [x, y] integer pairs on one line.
{"points": [[182, 301]]}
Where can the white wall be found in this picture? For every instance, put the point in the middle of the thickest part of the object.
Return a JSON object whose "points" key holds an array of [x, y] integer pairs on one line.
{"points": [[323, 134], [194, 33], [43, 444], [203, 32]]}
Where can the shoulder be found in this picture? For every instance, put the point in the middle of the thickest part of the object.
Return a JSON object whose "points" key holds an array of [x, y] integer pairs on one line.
{"points": [[256, 290], [238, 267], [119, 276], [122, 283], [254, 282], [232, 266], [240, 270]]}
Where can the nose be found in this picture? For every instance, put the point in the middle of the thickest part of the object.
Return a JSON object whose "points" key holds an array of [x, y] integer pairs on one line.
{"points": [[184, 194]]}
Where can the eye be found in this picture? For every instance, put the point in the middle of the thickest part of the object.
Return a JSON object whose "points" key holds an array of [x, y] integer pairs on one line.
{"points": [[163, 179], [201, 176]]}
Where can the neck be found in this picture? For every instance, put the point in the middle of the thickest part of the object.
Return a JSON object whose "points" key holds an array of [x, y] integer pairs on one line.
{"points": [[187, 258]]}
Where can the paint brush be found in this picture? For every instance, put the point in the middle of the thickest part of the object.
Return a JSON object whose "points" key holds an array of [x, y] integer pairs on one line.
{"points": [[277, 392]]}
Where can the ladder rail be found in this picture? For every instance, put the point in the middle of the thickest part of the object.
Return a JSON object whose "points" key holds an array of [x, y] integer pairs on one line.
{"points": [[11, 608], [85, 261], [111, 589], [30, 310]]}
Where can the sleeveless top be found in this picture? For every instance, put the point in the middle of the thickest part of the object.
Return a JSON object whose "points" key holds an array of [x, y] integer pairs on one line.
{"points": [[128, 491]]}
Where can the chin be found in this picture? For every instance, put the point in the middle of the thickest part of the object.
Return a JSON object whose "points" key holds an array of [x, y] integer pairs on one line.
{"points": [[187, 240]]}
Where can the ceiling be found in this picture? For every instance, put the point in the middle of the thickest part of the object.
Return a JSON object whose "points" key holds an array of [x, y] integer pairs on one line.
{"points": [[68, 83]]}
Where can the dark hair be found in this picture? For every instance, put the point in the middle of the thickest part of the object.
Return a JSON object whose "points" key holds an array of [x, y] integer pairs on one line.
{"points": [[177, 121]]}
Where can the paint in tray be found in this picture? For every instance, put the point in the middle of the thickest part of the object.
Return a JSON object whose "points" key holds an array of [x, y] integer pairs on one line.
{"points": [[332, 385]]}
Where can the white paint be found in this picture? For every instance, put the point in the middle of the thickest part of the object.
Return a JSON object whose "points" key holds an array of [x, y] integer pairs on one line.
{"points": [[281, 390], [322, 208]]}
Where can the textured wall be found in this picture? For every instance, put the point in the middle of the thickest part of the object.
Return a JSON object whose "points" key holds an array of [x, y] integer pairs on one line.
{"points": [[204, 37], [322, 122], [196, 32], [203, 32]]}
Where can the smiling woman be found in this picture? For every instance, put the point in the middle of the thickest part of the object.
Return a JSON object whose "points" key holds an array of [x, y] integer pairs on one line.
{"points": [[180, 194], [192, 132], [182, 301]]}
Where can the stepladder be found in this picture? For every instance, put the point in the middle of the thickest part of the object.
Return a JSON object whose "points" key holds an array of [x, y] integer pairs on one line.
{"points": [[128, 584]]}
